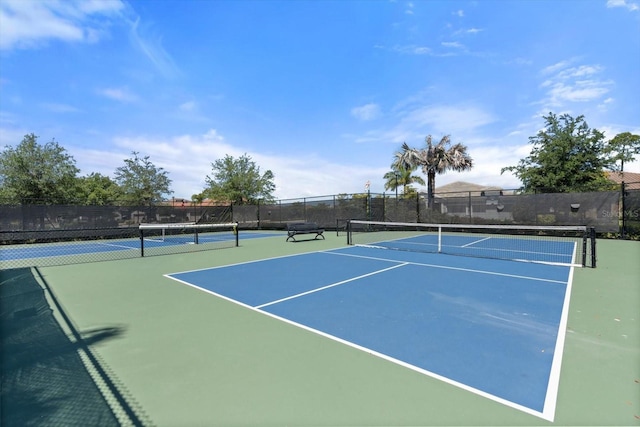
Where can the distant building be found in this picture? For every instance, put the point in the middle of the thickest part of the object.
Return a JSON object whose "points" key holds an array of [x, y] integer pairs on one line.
{"points": [[472, 200], [461, 188], [630, 178]]}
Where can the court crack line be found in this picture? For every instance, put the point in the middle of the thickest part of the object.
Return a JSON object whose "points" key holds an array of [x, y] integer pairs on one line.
{"points": [[331, 285]]}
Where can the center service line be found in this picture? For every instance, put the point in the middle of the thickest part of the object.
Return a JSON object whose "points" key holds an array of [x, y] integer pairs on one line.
{"points": [[331, 286]]}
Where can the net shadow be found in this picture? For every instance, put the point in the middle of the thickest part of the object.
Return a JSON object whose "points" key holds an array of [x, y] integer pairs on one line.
{"points": [[49, 374]]}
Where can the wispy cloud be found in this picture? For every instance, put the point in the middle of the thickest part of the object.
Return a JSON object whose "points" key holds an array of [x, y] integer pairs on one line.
{"points": [[30, 24], [415, 120], [150, 45], [566, 84], [464, 31], [556, 67], [407, 49], [409, 8], [454, 45], [118, 94], [366, 112], [188, 106], [631, 6], [59, 108]]}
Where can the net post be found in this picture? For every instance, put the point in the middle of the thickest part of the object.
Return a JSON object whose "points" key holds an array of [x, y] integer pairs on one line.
{"points": [[141, 242], [439, 239], [349, 242], [195, 236], [235, 233]]}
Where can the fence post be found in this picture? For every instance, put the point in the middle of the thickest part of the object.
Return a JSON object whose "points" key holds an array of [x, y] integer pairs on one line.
{"points": [[258, 214], [623, 230], [384, 206], [592, 233]]}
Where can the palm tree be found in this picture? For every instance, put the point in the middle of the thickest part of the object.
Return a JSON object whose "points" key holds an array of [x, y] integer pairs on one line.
{"points": [[434, 159], [401, 177]]}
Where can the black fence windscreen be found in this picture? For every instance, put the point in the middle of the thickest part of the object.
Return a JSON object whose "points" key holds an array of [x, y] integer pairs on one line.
{"points": [[610, 213]]}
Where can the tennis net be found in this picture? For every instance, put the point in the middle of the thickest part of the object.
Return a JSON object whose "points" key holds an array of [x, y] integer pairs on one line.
{"points": [[564, 245], [161, 239]]}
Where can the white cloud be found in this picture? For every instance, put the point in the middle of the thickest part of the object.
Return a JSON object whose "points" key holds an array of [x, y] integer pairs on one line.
{"points": [[455, 45], [409, 9], [631, 6], [464, 31], [188, 106], [556, 67], [118, 94], [366, 112], [152, 48], [581, 71], [59, 108], [410, 49], [415, 121], [188, 158], [582, 91], [29, 24], [566, 84]]}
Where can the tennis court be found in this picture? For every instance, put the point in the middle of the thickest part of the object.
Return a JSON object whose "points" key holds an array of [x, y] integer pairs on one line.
{"points": [[493, 329], [321, 333], [158, 240]]}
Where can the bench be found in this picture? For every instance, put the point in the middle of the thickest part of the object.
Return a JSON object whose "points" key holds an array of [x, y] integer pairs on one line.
{"points": [[303, 228]]}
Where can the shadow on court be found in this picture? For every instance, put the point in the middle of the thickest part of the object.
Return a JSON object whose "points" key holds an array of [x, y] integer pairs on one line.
{"points": [[49, 374]]}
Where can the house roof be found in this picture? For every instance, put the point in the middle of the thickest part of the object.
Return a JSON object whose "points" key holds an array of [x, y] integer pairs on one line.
{"points": [[180, 202], [463, 187], [630, 178]]}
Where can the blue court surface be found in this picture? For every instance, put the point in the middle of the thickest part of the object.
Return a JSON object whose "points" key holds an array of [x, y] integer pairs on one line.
{"points": [[46, 250], [492, 327]]}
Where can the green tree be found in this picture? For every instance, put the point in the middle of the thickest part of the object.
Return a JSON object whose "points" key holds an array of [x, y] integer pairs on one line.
{"points": [[97, 189], [401, 177], [566, 156], [623, 147], [35, 173], [239, 181], [141, 182], [434, 159]]}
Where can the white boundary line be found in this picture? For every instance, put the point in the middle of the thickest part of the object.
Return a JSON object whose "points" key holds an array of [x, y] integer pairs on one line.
{"points": [[445, 267], [551, 398], [118, 246], [475, 241]]}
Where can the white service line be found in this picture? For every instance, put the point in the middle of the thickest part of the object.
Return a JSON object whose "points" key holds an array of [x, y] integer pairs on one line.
{"points": [[330, 286]]}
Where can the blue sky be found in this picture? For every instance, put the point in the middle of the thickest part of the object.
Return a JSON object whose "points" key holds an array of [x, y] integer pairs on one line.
{"points": [[322, 93]]}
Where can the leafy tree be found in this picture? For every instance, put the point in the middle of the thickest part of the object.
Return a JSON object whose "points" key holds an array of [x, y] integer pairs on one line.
{"points": [[566, 156], [623, 147], [434, 159], [402, 177], [239, 181], [141, 182], [97, 189], [35, 173]]}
